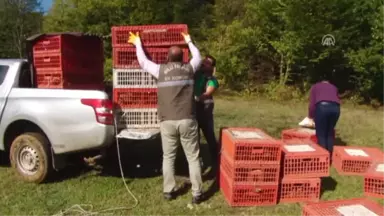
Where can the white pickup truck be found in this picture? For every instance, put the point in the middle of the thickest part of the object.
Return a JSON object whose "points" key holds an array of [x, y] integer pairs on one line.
{"points": [[38, 126]]}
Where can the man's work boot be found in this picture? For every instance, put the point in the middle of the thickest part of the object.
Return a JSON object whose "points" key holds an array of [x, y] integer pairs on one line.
{"points": [[197, 199], [175, 192], [169, 196]]}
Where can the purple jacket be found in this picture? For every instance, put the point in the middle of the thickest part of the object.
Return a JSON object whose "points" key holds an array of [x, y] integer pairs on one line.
{"points": [[322, 91]]}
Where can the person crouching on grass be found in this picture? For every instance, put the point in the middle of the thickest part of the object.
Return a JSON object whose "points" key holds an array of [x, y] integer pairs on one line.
{"points": [[324, 108], [205, 85]]}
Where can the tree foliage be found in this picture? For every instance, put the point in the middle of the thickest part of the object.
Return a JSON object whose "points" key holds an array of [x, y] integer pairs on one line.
{"points": [[18, 20], [261, 45]]}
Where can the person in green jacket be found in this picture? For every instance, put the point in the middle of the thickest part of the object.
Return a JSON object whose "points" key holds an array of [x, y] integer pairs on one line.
{"points": [[205, 85]]}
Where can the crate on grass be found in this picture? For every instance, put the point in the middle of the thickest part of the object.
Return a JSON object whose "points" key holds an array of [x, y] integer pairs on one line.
{"points": [[374, 181], [150, 35], [350, 207], [350, 160], [126, 57], [304, 159], [299, 190], [249, 173], [133, 78], [124, 98], [137, 118], [251, 194], [250, 146], [301, 133]]}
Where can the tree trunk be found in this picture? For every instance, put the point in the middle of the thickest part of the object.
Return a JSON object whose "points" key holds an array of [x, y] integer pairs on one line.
{"points": [[282, 62], [287, 71]]}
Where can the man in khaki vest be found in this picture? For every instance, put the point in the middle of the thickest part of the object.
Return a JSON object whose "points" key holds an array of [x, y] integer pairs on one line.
{"points": [[176, 111]]}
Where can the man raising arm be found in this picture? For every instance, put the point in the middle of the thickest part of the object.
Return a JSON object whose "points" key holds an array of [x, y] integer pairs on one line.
{"points": [[176, 112], [153, 68]]}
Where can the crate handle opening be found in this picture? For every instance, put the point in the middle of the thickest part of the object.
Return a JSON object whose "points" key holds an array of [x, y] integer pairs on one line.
{"points": [[307, 159], [298, 184], [256, 172], [257, 150]]}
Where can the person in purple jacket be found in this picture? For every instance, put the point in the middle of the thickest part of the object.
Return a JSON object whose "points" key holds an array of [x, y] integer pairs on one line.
{"points": [[324, 108]]}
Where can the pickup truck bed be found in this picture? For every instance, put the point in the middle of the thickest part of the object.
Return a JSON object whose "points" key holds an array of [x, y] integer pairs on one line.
{"points": [[38, 125]]}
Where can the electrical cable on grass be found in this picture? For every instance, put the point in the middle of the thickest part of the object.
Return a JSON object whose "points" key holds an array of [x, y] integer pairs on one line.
{"points": [[79, 208]]}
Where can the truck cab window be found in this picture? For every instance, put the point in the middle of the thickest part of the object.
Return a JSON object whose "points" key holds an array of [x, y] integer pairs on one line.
{"points": [[3, 73], [25, 80]]}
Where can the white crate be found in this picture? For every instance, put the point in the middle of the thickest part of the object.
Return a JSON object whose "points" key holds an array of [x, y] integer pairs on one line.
{"points": [[137, 118], [133, 78]]}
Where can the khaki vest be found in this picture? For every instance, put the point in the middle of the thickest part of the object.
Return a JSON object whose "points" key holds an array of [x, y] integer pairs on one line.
{"points": [[175, 92]]}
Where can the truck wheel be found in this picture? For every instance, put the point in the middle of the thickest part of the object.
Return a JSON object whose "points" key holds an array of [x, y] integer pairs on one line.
{"points": [[30, 156]]}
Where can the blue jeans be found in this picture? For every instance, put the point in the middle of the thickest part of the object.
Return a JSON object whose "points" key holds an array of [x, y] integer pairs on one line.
{"points": [[326, 116]]}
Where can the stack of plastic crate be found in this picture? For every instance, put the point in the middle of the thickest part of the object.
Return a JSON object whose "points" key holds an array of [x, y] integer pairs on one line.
{"points": [[249, 167], [134, 90], [304, 163], [350, 207], [67, 61]]}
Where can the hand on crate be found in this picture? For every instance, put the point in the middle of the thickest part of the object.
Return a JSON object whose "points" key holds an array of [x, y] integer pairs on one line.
{"points": [[134, 38], [186, 37]]}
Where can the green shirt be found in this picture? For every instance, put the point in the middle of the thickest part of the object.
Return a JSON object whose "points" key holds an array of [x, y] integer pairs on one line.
{"points": [[201, 80]]}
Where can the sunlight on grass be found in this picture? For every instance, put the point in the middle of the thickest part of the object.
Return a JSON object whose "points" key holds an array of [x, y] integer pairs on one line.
{"points": [[357, 127]]}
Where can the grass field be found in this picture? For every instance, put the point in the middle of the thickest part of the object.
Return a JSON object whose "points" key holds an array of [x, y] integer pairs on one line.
{"points": [[358, 126]]}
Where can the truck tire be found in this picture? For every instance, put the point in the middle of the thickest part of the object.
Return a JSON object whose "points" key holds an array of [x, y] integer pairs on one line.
{"points": [[30, 157]]}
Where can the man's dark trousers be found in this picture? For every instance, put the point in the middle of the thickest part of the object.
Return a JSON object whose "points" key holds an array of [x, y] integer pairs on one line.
{"points": [[205, 121]]}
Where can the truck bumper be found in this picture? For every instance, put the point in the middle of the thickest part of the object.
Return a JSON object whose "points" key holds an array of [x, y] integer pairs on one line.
{"points": [[98, 137]]}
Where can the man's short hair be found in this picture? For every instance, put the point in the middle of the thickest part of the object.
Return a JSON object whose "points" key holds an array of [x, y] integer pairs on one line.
{"points": [[175, 54], [213, 60]]}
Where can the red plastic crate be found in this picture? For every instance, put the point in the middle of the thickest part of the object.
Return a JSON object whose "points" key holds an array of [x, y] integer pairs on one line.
{"points": [[57, 80], [65, 43], [249, 173], [99, 87], [150, 35], [54, 80], [126, 57], [300, 133], [67, 63], [135, 98], [304, 159], [330, 208], [374, 181], [248, 194], [299, 190], [250, 146], [357, 161]]}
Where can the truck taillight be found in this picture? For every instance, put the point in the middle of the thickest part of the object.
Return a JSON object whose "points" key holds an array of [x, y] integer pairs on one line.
{"points": [[103, 109]]}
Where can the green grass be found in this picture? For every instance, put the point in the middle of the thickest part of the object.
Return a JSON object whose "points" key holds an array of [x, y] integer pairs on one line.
{"points": [[357, 126]]}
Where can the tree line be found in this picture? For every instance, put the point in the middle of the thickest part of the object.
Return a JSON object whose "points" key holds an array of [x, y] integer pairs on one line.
{"points": [[275, 47]]}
